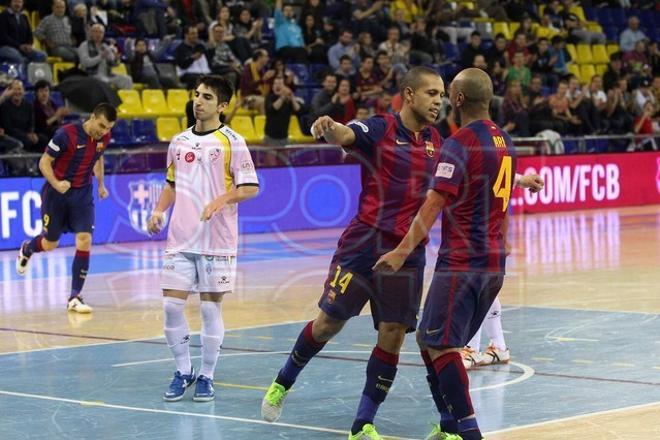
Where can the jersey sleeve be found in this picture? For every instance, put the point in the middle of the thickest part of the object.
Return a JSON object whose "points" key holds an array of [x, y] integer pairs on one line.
{"points": [[367, 133], [241, 166], [169, 173], [451, 168], [58, 144]]}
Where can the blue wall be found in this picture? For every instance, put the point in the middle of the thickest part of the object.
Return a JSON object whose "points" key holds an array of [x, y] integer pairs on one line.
{"points": [[290, 199]]}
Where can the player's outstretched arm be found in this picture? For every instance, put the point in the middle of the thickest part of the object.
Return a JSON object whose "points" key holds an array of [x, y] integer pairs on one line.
{"points": [[333, 132], [46, 168], [236, 195], [533, 182], [166, 199], [419, 229]]}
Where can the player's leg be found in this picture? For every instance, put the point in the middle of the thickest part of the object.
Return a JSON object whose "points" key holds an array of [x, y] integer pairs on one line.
{"points": [[178, 278], [79, 269], [497, 351]]}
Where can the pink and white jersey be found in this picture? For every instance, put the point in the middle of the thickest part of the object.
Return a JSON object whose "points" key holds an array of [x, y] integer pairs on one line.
{"points": [[204, 166]]}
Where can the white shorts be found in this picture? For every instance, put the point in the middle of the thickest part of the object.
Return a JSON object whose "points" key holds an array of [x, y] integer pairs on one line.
{"points": [[198, 273]]}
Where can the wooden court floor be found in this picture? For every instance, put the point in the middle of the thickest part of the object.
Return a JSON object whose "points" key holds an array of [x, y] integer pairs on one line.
{"points": [[603, 260]]}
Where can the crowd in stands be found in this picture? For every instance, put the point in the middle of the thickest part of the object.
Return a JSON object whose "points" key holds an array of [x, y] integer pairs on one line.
{"points": [[572, 68]]}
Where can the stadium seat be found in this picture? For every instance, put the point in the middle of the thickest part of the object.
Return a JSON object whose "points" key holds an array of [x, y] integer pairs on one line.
{"points": [[612, 48], [144, 131], [587, 71], [584, 55], [513, 27], [592, 26], [572, 51], [57, 98], [599, 52], [167, 128], [451, 51], [544, 32], [120, 69], [131, 105], [177, 100], [121, 134], [260, 126], [574, 69], [39, 71], [243, 126], [577, 10], [501, 27], [301, 71], [59, 67], [601, 69], [296, 135], [154, 104]]}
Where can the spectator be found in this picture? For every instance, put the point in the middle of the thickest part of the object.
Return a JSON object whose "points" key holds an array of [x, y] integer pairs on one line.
{"points": [[448, 126], [326, 101], [314, 44], [47, 115], [190, 58], [397, 51], [544, 62], [366, 82], [346, 69], [423, 48], [10, 145], [239, 45], [563, 57], [647, 124], [578, 34], [471, 50], [248, 29], [446, 18], [654, 57], [643, 95], [498, 53], [289, 42], [224, 62], [614, 72], [149, 17], [369, 17], [255, 81], [97, 59], [17, 116], [519, 44], [527, 29], [16, 36], [631, 35], [365, 45], [401, 23], [518, 70], [194, 14], [54, 31], [635, 60], [535, 98], [494, 9], [344, 47], [281, 104], [383, 104], [79, 24], [348, 112], [143, 64], [619, 109], [547, 29], [361, 113], [561, 113], [387, 76], [290, 78], [515, 117], [314, 8]]}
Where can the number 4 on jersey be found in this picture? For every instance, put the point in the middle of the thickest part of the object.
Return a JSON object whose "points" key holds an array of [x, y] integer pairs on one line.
{"points": [[502, 187]]}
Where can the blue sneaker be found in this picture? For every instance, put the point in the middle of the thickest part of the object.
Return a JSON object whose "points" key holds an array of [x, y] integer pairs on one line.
{"points": [[204, 390], [178, 386]]}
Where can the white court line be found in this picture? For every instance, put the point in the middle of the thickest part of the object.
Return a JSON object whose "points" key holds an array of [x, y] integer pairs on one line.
{"points": [[578, 417], [180, 413]]}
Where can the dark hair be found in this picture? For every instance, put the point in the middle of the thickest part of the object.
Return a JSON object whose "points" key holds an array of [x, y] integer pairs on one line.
{"points": [[345, 57], [412, 78], [500, 36], [557, 39], [221, 87], [380, 53], [616, 56], [346, 30], [107, 110], [187, 27], [42, 84], [327, 74], [258, 53], [543, 39], [475, 34]]}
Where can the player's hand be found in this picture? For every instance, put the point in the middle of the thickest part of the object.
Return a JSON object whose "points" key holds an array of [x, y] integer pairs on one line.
{"points": [[211, 209], [533, 182], [62, 186], [156, 222], [321, 126], [390, 262], [103, 192]]}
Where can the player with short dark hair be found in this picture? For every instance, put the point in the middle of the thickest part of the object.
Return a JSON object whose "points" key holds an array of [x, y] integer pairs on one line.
{"points": [[472, 189], [67, 204]]}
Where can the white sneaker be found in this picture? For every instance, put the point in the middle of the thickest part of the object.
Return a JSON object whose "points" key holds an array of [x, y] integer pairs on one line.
{"points": [[494, 355], [21, 260], [471, 358], [78, 305]]}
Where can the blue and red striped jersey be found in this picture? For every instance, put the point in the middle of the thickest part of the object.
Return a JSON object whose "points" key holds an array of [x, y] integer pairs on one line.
{"points": [[75, 154], [397, 170], [476, 170]]}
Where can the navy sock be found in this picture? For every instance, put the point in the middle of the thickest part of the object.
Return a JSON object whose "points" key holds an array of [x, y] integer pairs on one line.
{"points": [[303, 351], [33, 246], [447, 421], [381, 371], [455, 387], [78, 272]]}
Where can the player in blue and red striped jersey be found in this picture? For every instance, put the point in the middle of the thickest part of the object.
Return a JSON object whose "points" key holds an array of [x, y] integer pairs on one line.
{"points": [[472, 189], [67, 204], [399, 154]]}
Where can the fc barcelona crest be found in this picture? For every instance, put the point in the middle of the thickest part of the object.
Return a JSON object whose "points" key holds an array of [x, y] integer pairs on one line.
{"points": [[430, 149]]}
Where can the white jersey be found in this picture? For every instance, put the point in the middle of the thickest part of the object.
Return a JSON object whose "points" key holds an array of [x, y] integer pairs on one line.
{"points": [[202, 167]]}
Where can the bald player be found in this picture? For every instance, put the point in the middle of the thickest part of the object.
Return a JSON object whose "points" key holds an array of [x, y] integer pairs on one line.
{"points": [[472, 188]]}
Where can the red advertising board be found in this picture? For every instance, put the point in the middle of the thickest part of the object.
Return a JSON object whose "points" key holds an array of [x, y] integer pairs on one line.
{"points": [[590, 181]]}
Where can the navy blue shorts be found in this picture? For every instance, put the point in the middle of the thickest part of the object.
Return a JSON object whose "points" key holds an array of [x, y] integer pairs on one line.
{"points": [[351, 283], [456, 305], [72, 211]]}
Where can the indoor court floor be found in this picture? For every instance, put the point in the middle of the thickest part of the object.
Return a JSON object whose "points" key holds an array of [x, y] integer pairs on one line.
{"points": [[581, 316]]}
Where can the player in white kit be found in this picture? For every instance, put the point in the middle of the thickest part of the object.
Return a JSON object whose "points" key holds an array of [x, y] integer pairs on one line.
{"points": [[209, 171]]}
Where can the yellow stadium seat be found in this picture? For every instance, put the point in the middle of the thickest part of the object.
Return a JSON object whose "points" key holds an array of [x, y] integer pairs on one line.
{"points": [[138, 86], [577, 10], [584, 55], [570, 48], [574, 69], [167, 128], [177, 100], [541, 9], [295, 133], [513, 27], [501, 27], [120, 69], [131, 105], [58, 67], [243, 126], [260, 126], [601, 69], [544, 32], [592, 26], [154, 104], [599, 52], [34, 19], [586, 72], [612, 48]]}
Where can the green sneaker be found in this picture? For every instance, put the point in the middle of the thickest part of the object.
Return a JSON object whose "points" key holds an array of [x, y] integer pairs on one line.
{"points": [[437, 434], [368, 432], [271, 406]]}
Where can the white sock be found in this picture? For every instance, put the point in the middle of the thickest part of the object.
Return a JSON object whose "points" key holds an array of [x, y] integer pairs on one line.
{"points": [[475, 342], [493, 324], [177, 333], [213, 333]]}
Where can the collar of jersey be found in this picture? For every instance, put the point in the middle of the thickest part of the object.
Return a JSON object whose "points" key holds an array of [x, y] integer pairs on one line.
{"points": [[204, 133]]}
